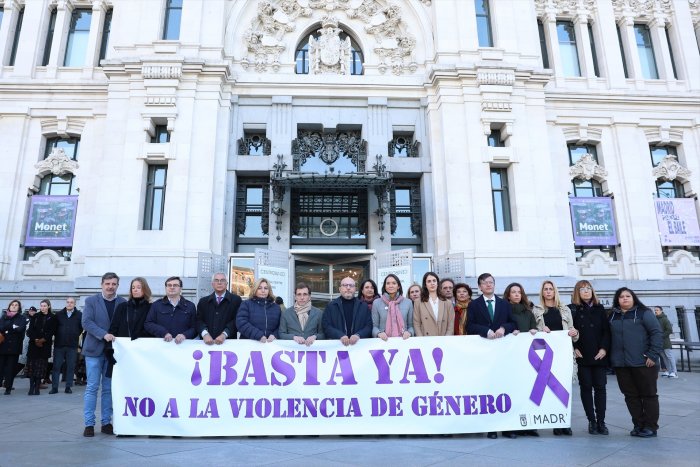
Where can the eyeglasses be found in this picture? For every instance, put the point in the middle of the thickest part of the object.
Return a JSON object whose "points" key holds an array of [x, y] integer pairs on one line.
{"points": [[586, 289], [172, 286], [220, 281], [488, 282], [348, 285]]}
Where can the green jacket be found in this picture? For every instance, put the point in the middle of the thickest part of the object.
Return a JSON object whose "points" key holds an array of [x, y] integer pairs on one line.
{"points": [[666, 329]]}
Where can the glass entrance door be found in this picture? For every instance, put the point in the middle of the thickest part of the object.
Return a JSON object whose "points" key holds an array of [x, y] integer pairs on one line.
{"points": [[323, 273]]}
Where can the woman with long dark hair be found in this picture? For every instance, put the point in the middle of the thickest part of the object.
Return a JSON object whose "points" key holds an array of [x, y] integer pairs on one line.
{"points": [[368, 293], [392, 313], [432, 314], [591, 351], [635, 350], [42, 328], [12, 328]]}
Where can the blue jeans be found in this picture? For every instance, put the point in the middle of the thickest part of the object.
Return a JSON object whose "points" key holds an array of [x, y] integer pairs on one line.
{"points": [[61, 354], [96, 368]]}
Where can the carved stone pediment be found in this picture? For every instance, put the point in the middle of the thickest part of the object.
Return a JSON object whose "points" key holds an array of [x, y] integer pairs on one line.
{"points": [[46, 263], [670, 169], [598, 264], [58, 163], [587, 168]]}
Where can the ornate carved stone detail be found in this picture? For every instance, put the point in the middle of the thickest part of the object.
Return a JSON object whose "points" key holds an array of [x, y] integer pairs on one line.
{"points": [[587, 168], [265, 39], [329, 53], [160, 100], [403, 144], [501, 77], [670, 169], [497, 106], [642, 9], [58, 163], [682, 263], [254, 143], [329, 146], [159, 71], [62, 126], [598, 264], [569, 8], [694, 6], [46, 263]]}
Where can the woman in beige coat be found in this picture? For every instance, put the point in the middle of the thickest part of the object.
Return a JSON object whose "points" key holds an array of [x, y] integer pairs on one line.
{"points": [[552, 315], [432, 314]]}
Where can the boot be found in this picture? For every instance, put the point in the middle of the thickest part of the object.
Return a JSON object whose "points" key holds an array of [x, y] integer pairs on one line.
{"points": [[31, 387], [37, 386]]}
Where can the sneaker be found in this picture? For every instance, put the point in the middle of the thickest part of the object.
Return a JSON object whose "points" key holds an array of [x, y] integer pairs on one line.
{"points": [[89, 431], [635, 431], [53, 391], [69, 391], [107, 429], [646, 433], [663, 373], [672, 375]]}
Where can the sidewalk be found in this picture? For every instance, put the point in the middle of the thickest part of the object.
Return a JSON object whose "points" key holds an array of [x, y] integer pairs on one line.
{"points": [[47, 430]]}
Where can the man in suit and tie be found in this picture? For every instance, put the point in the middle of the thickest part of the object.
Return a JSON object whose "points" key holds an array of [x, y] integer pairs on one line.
{"points": [[97, 316], [489, 316], [216, 313]]}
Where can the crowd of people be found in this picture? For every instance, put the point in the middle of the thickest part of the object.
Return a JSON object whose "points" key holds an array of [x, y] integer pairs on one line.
{"points": [[631, 339]]}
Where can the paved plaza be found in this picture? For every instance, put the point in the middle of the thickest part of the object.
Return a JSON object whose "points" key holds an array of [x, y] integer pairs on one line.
{"points": [[47, 431]]}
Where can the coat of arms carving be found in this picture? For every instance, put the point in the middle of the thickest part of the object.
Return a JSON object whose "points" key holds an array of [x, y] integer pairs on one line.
{"points": [[329, 53]]}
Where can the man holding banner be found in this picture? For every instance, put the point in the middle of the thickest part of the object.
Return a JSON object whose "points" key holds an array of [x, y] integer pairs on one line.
{"points": [[346, 318]]}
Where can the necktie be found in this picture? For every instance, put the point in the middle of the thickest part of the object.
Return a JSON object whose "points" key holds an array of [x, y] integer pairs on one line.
{"points": [[218, 299], [489, 303]]}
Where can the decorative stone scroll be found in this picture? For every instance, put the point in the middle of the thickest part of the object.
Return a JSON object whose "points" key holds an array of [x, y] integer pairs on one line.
{"points": [[58, 163], [670, 169], [266, 37], [587, 168], [642, 9]]}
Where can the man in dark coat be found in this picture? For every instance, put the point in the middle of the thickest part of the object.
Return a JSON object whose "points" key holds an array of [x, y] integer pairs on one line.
{"points": [[173, 317], [68, 330], [216, 313], [489, 316], [346, 318]]}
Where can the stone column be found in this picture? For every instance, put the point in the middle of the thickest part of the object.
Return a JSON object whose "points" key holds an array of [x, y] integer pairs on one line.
{"points": [[7, 31], [549, 21], [64, 10], [629, 44], [583, 45], [97, 23], [662, 52]]}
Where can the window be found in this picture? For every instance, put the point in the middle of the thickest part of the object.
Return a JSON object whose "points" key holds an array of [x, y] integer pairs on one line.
{"points": [[155, 197], [160, 134], [543, 44], [252, 213], [494, 139], [566, 35], [76, 47], [581, 188], [659, 152], [105, 35], [501, 200], [669, 189], [483, 23], [173, 17], [60, 185], [405, 212], [646, 51], [254, 143], [302, 57], [596, 71], [2, 13], [580, 251], [49, 39], [15, 41], [403, 145], [577, 151], [69, 146], [622, 52]]}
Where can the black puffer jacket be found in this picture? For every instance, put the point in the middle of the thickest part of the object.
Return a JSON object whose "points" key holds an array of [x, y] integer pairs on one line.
{"points": [[636, 335], [13, 329]]}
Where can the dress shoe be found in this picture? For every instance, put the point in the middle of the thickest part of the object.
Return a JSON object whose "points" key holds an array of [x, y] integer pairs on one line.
{"points": [[492, 435], [602, 429], [107, 429], [566, 431], [635, 430], [89, 431], [53, 391], [646, 433], [8, 392], [534, 433], [592, 427], [509, 434], [556, 431], [69, 391]]}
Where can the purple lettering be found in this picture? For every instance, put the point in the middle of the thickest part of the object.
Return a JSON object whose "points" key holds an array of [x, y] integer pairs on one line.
{"points": [[415, 366], [282, 367], [171, 409], [312, 365], [196, 378], [255, 368], [342, 362], [383, 365]]}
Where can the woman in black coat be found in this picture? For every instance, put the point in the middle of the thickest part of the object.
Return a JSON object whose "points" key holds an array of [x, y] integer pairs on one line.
{"points": [[12, 328], [591, 352], [129, 316], [42, 327]]}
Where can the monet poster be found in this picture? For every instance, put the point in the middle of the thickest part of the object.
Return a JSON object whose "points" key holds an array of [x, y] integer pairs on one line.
{"points": [[51, 221]]}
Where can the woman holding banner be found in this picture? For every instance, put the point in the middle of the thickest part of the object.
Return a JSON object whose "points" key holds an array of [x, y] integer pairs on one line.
{"points": [[635, 349], [591, 352], [392, 313], [552, 315], [130, 316], [368, 293], [432, 314], [258, 317], [463, 296]]}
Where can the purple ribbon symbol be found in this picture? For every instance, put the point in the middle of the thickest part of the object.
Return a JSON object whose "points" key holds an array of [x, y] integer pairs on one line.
{"points": [[543, 367]]}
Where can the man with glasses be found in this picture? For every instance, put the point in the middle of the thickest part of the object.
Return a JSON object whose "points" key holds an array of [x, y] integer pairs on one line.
{"points": [[97, 316], [173, 317], [216, 313], [346, 317]]}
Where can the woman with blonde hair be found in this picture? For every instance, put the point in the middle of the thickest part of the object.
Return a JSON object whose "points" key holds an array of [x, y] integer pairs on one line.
{"points": [[591, 350], [552, 315], [258, 317]]}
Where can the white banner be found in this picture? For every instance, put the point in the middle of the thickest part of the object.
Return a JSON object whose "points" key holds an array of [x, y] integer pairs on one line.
{"points": [[422, 385]]}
